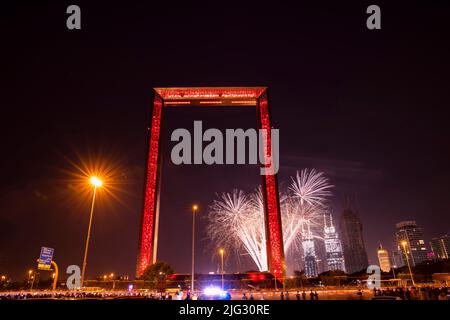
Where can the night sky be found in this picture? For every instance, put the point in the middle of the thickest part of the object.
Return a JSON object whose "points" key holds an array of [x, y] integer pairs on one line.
{"points": [[369, 108]]}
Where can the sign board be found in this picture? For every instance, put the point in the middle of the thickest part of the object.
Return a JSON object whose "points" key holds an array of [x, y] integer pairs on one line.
{"points": [[45, 258]]}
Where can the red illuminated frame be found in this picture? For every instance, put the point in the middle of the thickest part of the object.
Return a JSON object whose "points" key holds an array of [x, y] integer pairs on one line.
{"points": [[206, 96]]}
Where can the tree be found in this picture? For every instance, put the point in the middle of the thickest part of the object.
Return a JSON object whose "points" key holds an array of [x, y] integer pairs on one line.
{"points": [[155, 276]]}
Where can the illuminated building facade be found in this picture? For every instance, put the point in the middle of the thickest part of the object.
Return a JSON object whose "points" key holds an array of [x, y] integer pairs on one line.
{"points": [[207, 96], [333, 247], [440, 247], [383, 259], [309, 254], [353, 241], [409, 233]]}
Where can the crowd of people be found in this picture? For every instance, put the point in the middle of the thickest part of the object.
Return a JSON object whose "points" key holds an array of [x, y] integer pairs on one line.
{"points": [[411, 293], [78, 295], [414, 293]]}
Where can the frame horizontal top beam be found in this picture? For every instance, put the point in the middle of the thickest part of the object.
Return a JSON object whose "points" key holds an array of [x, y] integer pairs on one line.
{"points": [[210, 95]]}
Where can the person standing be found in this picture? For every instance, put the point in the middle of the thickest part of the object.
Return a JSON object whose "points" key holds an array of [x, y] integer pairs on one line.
{"points": [[408, 294]]}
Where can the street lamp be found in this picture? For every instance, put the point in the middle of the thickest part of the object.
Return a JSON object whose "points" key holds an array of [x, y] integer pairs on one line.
{"points": [[97, 183], [194, 210], [221, 251], [404, 243], [111, 276]]}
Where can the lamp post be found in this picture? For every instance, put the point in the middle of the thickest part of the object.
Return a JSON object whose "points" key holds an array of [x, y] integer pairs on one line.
{"points": [[403, 243], [111, 276], [221, 258], [194, 210], [97, 183], [30, 272]]}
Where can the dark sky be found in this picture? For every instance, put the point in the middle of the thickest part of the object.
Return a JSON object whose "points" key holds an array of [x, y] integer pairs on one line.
{"points": [[370, 108]]}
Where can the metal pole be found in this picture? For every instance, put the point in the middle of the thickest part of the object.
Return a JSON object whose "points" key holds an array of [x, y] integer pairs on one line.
{"points": [[87, 238], [193, 250], [409, 266], [32, 282], [221, 252]]}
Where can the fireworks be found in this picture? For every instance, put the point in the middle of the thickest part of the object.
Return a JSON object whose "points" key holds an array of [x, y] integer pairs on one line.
{"points": [[311, 187], [236, 220]]}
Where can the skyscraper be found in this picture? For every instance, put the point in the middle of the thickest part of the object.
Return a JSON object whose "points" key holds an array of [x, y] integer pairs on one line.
{"points": [[410, 242], [309, 254], [383, 259], [441, 247], [333, 247], [396, 258], [352, 241]]}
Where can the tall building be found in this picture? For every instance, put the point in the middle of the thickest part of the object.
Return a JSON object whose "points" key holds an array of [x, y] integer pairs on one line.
{"points": [[383, 259], [441, 247], [410, 242], [333, 248], [309, 254], [396, 259], [355, 254]]}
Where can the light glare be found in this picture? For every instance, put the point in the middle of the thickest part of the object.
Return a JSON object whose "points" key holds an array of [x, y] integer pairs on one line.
{"points": [[96, 181]]}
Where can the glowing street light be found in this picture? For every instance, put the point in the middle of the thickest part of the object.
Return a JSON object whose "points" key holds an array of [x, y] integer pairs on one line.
{"points": [[194, 210], [97, 183], [31, 278], [404, 243], [221, 251], [30, 272]]}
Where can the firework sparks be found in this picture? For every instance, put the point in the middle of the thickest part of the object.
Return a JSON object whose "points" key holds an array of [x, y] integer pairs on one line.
{"points": [[311, 187], [236, 220]]}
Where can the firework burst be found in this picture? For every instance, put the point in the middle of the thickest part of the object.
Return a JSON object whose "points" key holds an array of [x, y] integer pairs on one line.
{"points": [[235, 223], [236, 220]]}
